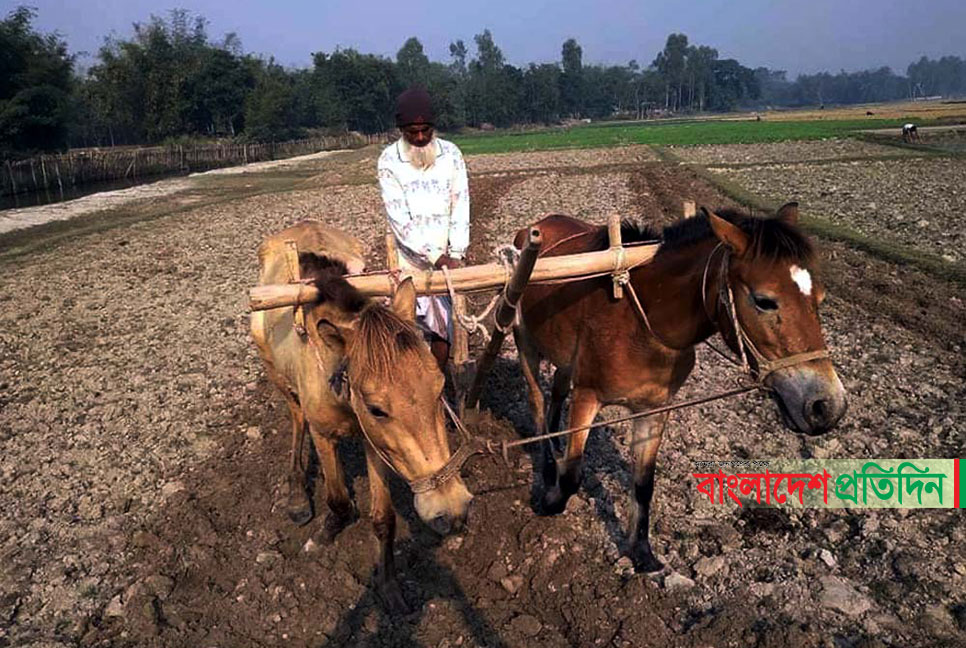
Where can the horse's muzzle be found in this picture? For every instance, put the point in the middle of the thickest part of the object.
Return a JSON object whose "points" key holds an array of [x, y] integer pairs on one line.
{"points": [[444, 525], [444, 510], [811, 402]]}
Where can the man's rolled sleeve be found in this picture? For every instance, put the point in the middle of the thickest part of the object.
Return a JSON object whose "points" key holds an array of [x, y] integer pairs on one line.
{"points": [[459, 229], [394, 200]]}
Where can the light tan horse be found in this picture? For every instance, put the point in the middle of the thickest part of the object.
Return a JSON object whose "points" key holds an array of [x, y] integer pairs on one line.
{"points": [[358, 367], [709, 272]]}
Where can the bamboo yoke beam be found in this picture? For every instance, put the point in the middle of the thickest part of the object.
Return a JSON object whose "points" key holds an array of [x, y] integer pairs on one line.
{"points": [[614, 238], [468, 279]]}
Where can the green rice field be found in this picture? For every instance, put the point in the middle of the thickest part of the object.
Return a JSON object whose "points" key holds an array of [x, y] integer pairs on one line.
{"points": [[667, 134]]}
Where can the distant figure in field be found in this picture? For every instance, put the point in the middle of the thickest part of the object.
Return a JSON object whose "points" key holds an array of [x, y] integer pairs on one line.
{"points": [[910, 133], [869, 113]]}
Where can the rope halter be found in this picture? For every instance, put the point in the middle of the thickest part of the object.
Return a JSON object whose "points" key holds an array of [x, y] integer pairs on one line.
{"points": [[764, 366], [448, 471]]}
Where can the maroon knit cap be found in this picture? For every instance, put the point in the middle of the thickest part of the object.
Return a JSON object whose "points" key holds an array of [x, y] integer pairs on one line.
{"points": [[414, 106]]}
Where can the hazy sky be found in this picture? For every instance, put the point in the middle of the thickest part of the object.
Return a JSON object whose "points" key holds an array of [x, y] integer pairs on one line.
{"points": [[795, 35]]}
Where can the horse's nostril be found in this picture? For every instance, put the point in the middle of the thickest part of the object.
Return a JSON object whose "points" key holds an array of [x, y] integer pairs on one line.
{"points": [[820, 410], [458, 525], [441, 524]]}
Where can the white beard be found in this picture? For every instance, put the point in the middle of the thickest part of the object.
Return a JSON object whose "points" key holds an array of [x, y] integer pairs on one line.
{"points": [[421, 157]]}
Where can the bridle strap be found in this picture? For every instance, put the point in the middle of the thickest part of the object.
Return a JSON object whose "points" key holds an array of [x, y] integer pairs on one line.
{"points": [[353, 398], [765, 367], [424, 484], [446, 473], [449, 470]]}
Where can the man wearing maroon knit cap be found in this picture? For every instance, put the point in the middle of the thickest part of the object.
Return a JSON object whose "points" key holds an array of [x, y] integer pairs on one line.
{"points": [[426, 196]]}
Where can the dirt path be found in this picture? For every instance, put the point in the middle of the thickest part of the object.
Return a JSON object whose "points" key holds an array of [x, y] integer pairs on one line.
{"points": [[143, 451], [18, 219]]}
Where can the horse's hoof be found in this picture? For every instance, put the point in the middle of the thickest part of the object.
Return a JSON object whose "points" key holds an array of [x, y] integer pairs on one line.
{"points": [[644, 560], [391, 596], [554, 502], [333, 525], [300, 514]]}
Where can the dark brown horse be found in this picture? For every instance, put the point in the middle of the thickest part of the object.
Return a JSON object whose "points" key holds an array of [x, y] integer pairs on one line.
{"points": [[605, 352]]}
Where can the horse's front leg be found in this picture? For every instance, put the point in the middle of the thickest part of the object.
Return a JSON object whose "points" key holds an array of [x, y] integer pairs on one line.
{"points": [[342, 511], [299, 506], [384, 525], [644, 446], [530, 367], [558, 394], [583, 409]]}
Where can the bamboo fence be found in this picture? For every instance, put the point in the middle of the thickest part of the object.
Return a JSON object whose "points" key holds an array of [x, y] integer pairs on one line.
{"points": [[58, 172]]}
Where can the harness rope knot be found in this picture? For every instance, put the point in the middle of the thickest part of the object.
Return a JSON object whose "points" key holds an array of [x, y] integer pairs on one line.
{"points": [[474, 323], [622, 278]]}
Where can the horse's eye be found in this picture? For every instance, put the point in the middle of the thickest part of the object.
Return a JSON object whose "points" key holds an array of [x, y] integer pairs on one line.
{"points": [[378, 412], [764, 303]]}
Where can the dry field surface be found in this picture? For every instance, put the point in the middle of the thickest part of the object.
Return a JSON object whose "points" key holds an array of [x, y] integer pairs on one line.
{"points": [[570, 158], [785, 152], [144, 450], [895, 110], [917, 203]]}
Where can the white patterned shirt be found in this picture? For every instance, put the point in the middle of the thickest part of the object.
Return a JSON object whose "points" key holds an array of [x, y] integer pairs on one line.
{"points": [[428, 209]]}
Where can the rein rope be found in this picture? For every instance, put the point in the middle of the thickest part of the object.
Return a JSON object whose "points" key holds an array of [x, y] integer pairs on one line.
{"points": [[474, 323]]}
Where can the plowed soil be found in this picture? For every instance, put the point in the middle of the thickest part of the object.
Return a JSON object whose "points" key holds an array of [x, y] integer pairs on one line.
{"points": [[144, 454]]}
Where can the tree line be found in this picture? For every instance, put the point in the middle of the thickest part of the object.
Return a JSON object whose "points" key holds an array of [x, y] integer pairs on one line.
{"points": [[169, 80]]}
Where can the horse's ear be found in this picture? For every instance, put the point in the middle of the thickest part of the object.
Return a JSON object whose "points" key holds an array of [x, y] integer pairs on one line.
{"points": [[788, 213], [819, 292], [404, 301], [728, 233], [335, 334]]}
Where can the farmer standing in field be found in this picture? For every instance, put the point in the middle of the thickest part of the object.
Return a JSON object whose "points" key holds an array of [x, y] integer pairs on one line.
{"points": [[427, 200]]}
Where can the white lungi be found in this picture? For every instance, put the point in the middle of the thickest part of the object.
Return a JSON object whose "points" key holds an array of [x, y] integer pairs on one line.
{"points": [[434, 313]]}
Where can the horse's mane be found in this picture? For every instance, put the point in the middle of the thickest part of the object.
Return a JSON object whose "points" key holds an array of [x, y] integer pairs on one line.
{"points": [[770, 238], [631, 232], [382, 336]]}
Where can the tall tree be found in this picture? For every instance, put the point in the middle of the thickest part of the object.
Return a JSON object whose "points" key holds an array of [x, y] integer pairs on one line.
{"points": [[35, 95], [732, 84], [670, 63], [169, 80], [360, 89], [572, 79], [270, 109], [700, 60], [458, 53], [412, 63], [458, 74], [493, 87], [541, 93]]}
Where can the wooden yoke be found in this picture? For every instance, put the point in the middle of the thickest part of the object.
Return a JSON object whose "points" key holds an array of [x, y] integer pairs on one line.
{"points": [[466, 279], [614, 237], [295, 276], [392, 259], [505, 314], [690, 209], [392, 255]]}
